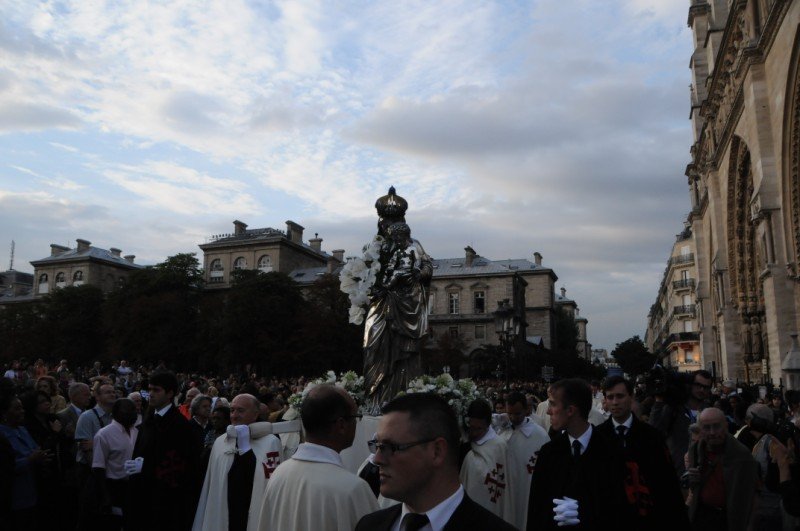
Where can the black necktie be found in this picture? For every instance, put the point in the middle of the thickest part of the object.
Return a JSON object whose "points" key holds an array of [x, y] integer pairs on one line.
{"points": [[413, 522], [621, 429], [576, 448]]}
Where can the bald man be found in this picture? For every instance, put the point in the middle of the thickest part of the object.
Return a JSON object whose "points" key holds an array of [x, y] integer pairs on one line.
{"points": [[722, 475], [313, 490], [241, 463]]}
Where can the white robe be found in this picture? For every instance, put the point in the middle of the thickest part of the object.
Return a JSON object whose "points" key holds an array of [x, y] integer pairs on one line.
{"points": [[290, 440], [541, 412], [313, 491], [484, 474], [523, 443], [212, 509]]}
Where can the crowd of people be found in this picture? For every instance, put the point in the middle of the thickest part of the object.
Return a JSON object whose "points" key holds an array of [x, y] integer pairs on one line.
{"points": [[120, 447]]}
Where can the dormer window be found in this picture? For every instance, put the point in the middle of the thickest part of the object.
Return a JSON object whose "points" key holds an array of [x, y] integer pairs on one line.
{"points": [[44, 287], [216, 272], [240, 263], [77, 278], [60, 280]]}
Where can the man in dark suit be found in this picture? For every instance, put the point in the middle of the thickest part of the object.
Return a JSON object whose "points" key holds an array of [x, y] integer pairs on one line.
{"points": [[654, 499], [72, 476], [165, 489], [416, 449], [579, 469]]}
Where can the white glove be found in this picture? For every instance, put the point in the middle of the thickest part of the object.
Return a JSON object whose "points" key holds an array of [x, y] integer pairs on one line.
{"points": [[566, 512], [133, 466], [243, 438]]}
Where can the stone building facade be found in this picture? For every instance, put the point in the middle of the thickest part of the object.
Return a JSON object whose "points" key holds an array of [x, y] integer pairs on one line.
{"points": [[583, 346], [744, 180], [672, 324], [85, 264], [263, 250]]}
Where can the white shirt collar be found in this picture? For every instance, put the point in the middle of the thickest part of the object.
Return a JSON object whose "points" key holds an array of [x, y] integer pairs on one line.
{"points": [[163, 411], [439, 515], [584, 439], [490, 434], [316, 453], [526, 427], [628, 423]]}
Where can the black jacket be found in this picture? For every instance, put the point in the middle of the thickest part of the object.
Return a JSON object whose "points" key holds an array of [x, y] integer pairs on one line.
{"points": [[468, 516], [595, 479], [164, 496], [652, 490]]}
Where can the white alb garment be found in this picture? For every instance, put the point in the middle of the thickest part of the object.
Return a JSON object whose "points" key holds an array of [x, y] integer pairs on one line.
{"points": [[212, 509], [523, 443], [484, 474]]}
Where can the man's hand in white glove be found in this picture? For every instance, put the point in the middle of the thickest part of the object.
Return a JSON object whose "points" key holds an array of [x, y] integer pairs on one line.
{"points": [[133, 466], [243, 438], [566, 512]]}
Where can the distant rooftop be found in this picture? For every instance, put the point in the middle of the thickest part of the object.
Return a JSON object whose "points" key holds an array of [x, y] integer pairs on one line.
{"points": [[85, 250]]}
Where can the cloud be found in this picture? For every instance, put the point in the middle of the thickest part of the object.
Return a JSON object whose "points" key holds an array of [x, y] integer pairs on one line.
{"points": [[32, 117]]}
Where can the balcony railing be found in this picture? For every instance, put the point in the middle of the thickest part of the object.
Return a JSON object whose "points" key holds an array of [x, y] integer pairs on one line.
{"points": [[685, 309], [682, 259], [684, 283]]}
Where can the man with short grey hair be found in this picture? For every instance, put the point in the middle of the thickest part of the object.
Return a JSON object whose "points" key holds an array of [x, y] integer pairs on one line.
{"points": [[200, 408]]}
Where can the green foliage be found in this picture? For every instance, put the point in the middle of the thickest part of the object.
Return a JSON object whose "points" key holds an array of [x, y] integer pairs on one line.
{"points": [[23, 332], [633, 357], [566, 332], [444, 351]]}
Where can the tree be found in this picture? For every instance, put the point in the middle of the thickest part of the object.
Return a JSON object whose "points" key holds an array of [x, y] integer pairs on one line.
{"points": [[633, 357], [154, 315], [73, 317], [443, 351], [261, 323], [327, 339]]}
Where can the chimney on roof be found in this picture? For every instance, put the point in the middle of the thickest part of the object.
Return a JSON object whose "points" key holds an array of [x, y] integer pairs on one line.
{"points": [[338, 254], [294, 232], [316, 242], [537, 258], [470, 256], [116, 252], [130, 257], [83, 245], [564, 292], [239, 227], [56, 249]]}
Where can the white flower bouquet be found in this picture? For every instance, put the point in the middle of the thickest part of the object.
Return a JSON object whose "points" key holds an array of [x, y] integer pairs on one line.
{"points": [[458, 393], [349, 381], [357, 277]]}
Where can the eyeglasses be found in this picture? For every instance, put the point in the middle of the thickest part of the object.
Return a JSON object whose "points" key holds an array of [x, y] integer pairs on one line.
{"points": [[389, 449]]}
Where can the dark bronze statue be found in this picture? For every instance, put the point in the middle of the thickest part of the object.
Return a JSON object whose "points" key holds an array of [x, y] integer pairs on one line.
{"points": [[397, 318]]}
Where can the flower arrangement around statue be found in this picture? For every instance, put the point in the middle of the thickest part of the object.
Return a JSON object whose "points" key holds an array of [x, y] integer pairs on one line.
{"points": [[458, 393], [349, 381], [358, 275]]}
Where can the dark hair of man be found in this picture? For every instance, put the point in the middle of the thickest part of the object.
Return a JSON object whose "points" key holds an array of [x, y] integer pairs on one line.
{"points": [[703, 373], [431, 417], [480, 409], [166, 380], [119, 405], [575, 392], [321, 408], [516, 398], [613, 381]]}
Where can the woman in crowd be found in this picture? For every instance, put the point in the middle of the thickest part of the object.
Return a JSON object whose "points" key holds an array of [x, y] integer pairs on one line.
{"points": [[45, 430], [28, 458], [48, 385]]}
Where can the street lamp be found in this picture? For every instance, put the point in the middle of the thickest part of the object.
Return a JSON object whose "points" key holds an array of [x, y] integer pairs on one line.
{"points": [[506, 326]]}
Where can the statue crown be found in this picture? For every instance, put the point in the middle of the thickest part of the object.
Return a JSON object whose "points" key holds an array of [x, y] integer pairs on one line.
{"points": [[391, 205]]}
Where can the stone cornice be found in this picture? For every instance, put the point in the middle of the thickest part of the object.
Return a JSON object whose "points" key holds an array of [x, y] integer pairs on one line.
{"points": [[696, 10]]}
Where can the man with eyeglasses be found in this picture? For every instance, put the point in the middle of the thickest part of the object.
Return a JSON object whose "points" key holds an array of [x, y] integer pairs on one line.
{"points": [[416, 448], [723, 476], [313, 490], [674, 419]]}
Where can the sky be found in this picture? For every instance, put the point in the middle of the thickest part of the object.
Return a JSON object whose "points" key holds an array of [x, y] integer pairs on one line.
{"points": [[557, 126]]}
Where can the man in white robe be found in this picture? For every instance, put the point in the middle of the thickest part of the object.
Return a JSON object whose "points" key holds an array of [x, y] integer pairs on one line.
{"points": [[484, 473], [524, 439], [312, 490], [247, 451], [541, 410]]}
